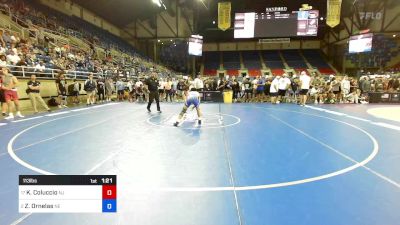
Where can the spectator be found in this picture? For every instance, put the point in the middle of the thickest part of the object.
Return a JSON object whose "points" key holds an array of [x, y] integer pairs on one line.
{"points": [[34, 94], [345, 87], [61, 85], [120, 89], [161, 90], [260, 85], [10, 84], [6, 38], [284, 84], [13, 58], [130, 86], [336, 89], [248, 91], [3, 60], [168, 89], [90, 88], [274, 89], [305, 81], [75, 92], [235, 89], [101, 90], [2, 97], [198, 83], [40, 67], [109, 85]]}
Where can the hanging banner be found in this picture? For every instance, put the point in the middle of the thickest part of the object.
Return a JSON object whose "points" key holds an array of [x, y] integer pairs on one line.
{"points": [[224, 15], [333, 12]]}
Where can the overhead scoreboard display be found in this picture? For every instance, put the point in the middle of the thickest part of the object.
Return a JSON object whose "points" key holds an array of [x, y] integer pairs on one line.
{"points": [[361, 43], [196, 45], [276, 24], [67, 194]]}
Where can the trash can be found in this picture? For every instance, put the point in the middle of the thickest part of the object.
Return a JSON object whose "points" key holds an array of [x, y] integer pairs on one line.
{"points": [[228, 96]]}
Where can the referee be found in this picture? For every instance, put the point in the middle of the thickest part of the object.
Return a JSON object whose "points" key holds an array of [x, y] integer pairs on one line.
{"points": [[152, 84]]}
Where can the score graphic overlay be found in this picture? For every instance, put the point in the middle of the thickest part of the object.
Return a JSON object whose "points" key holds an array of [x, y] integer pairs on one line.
{"points": [[67, 193]]}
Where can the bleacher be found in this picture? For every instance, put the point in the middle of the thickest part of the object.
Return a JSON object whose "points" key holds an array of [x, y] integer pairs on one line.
{"points": [[211, 63], [231, 62], [271, 58], [317, 61], [273, 61], [252, 62], [294, 59]]}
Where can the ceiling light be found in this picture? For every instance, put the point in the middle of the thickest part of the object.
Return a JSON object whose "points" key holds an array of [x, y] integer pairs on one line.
{"points": [[157, 2]]}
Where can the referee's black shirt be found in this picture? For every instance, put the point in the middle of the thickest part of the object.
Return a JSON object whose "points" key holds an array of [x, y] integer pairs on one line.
{"points": [[152, 83]]}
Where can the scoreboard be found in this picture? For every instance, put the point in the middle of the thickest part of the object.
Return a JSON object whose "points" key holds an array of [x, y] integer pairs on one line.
{"points": [[67, 194], [276, 24]]}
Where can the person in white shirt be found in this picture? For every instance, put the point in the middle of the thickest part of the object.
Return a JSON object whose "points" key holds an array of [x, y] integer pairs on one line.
{"points": [[345, 87], [198, 84], [40, 67], [305, 81], [161, 89], [273, 89], [3, 61], [284, 84], [13, 58]]}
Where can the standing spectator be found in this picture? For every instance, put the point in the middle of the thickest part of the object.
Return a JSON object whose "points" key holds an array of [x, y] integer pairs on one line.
{"points": [[75, 92], [198, 83], [90, 88], [10, 84], [274, 89], [34, 94], [109, 89], [161, 90], [345, 87], [131, 90], [61, 85], [120, 89], [353, 97], [336, 89], [101, 90], [168, 89], [305, 81], [235, 89], [2, 97], [152, 85], [248, 91], [260, 89], [284, 84]]}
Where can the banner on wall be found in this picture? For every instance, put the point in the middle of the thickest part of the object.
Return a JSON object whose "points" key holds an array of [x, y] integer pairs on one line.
{"points": [[333, 12], [224, 15]]}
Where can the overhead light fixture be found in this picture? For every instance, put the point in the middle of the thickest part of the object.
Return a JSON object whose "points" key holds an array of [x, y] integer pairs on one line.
{"points": [[157, 2], [158, 40], [213, 21], [394, 35]]}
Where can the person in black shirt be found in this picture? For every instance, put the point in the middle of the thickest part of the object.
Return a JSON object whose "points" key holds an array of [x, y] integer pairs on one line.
{"points": [[34, 94], [61, 85], [152, 85]]}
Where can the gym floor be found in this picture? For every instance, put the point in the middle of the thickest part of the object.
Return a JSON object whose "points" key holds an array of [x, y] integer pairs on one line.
{"points": [[247, 164]]}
